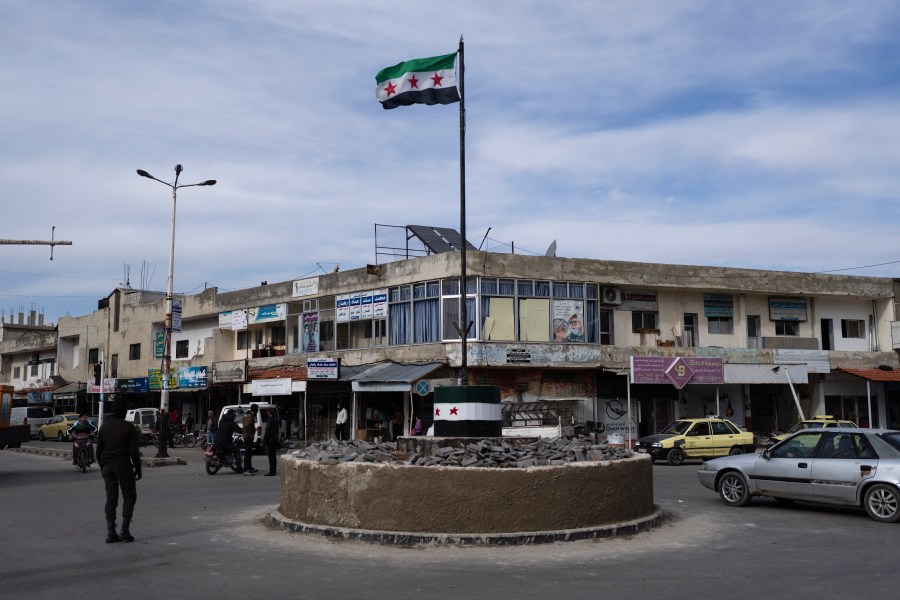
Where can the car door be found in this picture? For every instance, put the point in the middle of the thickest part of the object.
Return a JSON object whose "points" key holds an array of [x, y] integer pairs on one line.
{"points": [[843, 461], [786, 468], [724, 437], [698, 441]]}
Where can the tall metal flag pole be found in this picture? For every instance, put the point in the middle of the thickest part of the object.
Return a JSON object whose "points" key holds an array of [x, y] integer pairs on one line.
{"points": [[463, 317]]}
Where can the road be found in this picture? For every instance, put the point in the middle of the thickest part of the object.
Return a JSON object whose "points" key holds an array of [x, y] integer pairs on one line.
{"points": [[202, 536]]}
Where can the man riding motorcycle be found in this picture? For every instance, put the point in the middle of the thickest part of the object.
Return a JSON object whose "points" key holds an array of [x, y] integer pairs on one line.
{"points": [[225, 437], [79, 432]]}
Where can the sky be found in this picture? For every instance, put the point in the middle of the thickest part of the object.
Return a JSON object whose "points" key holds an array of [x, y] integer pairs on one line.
{"points": [[754, 134]]}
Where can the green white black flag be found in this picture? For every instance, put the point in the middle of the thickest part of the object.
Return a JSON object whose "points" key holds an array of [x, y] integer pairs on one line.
{"points": [[418, 81]]}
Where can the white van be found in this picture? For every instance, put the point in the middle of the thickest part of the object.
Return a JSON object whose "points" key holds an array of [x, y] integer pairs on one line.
{"points": [[261, 417], [35, 416], [145, 418]]}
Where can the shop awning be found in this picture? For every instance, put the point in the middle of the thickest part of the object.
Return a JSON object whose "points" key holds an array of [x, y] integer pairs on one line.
{"points": [[873, 374], [393, 377], [69, 390]]}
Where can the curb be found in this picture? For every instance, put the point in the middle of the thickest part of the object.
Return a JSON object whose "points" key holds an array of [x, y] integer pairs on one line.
{"points": [[67, 454], [418, 539]]}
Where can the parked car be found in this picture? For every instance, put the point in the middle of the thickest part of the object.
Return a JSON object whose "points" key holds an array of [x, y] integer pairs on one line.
{"points": [[844, 466], [696, 438], [818, 422], [34, 416], [57, 427]]}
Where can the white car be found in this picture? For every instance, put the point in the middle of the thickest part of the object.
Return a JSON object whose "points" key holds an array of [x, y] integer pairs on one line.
{"points": [[845, 466]]}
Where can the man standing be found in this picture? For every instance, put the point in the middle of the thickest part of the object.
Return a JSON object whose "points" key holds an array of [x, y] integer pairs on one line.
{"points": [[340, 424], [271, 439], [120, 463], [248, 431]]}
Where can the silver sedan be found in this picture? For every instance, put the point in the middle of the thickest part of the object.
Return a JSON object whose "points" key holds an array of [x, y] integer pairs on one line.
{"points": [[845, 466]]}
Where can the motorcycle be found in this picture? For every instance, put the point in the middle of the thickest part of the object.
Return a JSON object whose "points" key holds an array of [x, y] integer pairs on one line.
{"points": [[83, 457], [217, 459]]}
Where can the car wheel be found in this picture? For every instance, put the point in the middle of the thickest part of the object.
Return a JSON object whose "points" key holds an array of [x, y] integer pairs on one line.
{"points": [[733, 489], [675, 457], [735, 451], [882, 502], [41, 436], [59, 436]]}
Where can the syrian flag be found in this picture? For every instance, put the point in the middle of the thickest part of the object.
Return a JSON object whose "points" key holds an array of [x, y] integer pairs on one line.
{"points": [[418, 81], [466, 419]]}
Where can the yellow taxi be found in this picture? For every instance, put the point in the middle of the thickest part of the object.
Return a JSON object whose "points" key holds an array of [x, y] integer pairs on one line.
{"points": [[821, 421], [57, 427], [708, 437]]}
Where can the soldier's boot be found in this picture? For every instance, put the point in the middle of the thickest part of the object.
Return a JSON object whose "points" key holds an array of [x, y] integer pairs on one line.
{"points": [[111, 535], [126, 534]]}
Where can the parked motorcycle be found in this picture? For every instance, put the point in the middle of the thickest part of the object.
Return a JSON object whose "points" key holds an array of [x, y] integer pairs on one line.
{"points": [[217, 459]]}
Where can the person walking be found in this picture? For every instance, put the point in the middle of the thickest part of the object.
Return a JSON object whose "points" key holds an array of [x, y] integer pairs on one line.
{"points": [[188, 424], [248, 431], [211, 426], [120, 463], [340, 423], [271, 440]]}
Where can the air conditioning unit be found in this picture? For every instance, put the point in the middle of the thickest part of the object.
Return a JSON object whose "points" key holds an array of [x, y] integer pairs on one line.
{"points": [[610, 295]]}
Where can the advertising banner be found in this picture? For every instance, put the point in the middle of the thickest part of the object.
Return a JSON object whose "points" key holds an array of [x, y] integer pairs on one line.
{"points": [[323, 368], [267, 313], [229, 371], [379, 304], [311, 332], [271, 387], [342, 308], [134, 385], [154, 377], [568, 321], [305, 287], [678, 371], [192, 378]]}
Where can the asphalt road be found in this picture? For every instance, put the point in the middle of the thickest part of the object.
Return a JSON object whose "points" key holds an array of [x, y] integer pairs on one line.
{"points": [[202, 536]]}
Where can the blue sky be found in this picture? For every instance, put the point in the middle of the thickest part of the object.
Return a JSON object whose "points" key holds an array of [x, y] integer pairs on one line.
{"points": [[755, 134]]}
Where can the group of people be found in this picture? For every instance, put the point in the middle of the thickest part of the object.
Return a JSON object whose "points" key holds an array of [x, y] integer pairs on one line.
{"points": [[224, 438]]}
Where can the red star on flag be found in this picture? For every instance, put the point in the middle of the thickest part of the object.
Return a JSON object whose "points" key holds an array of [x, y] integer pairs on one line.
{"points": [[413, 82], [454, 410], [437, 412], [436, 79], [390, 88]]}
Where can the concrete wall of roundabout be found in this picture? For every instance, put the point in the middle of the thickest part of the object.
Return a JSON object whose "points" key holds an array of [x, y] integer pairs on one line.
{"points": [[446, 500]]}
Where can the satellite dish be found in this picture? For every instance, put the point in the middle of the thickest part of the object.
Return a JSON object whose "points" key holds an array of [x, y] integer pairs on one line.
{"points": [[551, 250]]}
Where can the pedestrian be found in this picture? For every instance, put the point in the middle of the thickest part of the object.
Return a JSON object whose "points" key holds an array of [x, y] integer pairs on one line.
{"points": [[340, 423], [120, 463], [211, 426], [173, 417], [417, 425], [396, 424], [271, 440], [188, 423], [249, 431]]}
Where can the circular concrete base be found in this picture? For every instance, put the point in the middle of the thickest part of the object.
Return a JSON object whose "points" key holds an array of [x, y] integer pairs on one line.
{"points": [[417, 539]]}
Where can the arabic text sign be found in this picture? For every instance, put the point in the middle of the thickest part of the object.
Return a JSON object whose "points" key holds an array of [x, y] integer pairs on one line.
{"points": [[653, 369]]}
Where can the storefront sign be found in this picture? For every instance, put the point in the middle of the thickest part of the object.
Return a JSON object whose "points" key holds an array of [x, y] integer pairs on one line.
{"points": [[267, 313], [641, 300], [718, 305], [516, 355], [787, 309], [159, 344], [305, 287], [192, 377], [155, 379], [229, 371], [323, 368], [379, 304], [271, 387], [678, 371], [109, 386], [176, 315], [342, 308], [134, 385]]}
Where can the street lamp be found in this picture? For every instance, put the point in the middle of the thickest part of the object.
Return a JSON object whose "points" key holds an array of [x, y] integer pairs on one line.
{"points": [[167, 356]]}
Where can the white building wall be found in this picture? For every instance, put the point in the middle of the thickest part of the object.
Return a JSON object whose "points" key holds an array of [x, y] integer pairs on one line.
{"points": [[846, 308]]}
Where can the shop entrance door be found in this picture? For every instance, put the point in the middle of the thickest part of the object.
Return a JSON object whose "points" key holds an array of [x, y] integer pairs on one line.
{"points": [[654, 416]]}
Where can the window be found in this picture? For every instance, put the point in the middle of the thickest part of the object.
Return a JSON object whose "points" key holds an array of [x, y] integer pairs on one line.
{"points": [[17, 372], [426, 312], [181, 348], [787, 328], [721, 325], [399, 313], [93, 356], [278, 333], [642, 320], [34, 370], [243, 340], [606, 327], [853, 329], [134, 352], [113, 366]]}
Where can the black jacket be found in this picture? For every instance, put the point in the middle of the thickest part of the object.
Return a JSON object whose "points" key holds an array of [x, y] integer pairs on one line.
{"points": [[272, 432], [118, 441], [227, 428]]}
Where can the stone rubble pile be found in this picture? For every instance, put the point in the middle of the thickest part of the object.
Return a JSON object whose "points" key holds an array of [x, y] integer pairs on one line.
{"points": [[484, 453]]}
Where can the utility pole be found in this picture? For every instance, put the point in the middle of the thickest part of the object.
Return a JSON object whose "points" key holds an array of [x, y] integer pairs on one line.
{"points": [[52, 242]]}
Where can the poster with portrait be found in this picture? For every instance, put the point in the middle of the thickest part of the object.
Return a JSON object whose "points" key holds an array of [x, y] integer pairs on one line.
{"points": [[311, 332], [568, 321]]}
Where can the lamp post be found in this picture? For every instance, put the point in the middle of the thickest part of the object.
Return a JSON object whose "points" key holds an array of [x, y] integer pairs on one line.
{"points": [[167, 356]]}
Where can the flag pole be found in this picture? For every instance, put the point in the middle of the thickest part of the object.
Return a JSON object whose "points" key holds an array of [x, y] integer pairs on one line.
{"points": [[463, 317]]}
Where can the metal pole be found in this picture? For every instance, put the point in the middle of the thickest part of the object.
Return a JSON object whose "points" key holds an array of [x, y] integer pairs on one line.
{"points": [[463, 317], [167, 352], [102, 377]]}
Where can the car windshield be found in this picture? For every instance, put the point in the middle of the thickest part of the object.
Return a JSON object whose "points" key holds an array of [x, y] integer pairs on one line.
{"points": [[805, 425], [677, 428]]}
